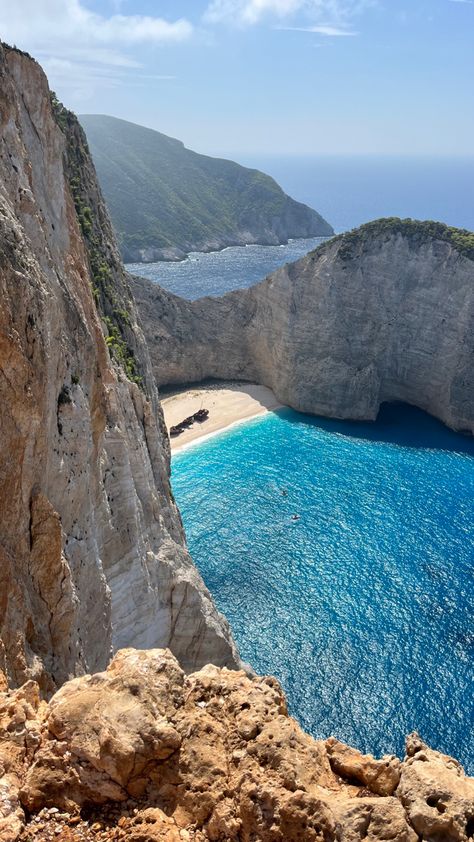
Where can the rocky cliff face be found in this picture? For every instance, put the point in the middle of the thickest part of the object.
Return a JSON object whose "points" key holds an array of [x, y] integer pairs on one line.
{"points": [[92, 551], [385, 313], [148, 753]]}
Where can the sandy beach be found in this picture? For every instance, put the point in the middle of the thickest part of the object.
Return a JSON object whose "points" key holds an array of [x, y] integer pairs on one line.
{"points": [[228, 403]]}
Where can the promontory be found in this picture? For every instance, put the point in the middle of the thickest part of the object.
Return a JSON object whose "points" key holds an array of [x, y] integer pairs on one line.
{"points": [[124, 711], [165, 200]]}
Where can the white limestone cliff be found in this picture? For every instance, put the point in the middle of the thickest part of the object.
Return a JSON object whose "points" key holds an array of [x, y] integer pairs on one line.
{"points": [[92, 549], [384, 313]]}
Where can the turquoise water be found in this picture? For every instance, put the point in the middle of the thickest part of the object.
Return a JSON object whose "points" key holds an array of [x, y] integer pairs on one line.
{"points": [[363, 608]]}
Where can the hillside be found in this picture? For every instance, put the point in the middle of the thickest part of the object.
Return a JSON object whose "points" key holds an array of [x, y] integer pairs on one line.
{"points": [[166, 200], [103, 737]]}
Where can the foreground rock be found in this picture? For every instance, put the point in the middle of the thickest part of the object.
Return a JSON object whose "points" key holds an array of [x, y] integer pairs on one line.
{"points": [[437, 797], [92, 550], [384, 313], [144, 752]]}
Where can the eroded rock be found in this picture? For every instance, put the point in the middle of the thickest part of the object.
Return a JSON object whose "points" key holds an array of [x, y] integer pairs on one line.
{"points": [[92, 549], [436, 794], [380, 776], [215, 756], [384, 313], [21, 714]]}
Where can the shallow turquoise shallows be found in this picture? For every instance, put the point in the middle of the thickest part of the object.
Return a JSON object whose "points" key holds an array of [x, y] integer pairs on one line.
{"points": [[363, 608]]}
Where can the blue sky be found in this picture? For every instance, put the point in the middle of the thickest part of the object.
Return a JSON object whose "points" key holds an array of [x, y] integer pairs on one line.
{"points": [[273, 77]]}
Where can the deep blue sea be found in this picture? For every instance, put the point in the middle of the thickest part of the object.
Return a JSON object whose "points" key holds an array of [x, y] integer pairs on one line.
{"points": [[363, 608], [351, 191], [348, 192]]}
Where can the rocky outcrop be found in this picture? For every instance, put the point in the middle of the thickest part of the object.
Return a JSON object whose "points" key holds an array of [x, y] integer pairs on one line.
{"points": [[147, 753], [385, 313], [435, 793], [380, 776], [92, 550]]}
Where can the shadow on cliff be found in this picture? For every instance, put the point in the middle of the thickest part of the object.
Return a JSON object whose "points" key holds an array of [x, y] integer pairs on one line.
{"points": [[399, 424]]}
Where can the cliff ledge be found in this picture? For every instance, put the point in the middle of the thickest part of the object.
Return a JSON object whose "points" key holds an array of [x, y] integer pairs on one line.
{"points": [[143, 753]]}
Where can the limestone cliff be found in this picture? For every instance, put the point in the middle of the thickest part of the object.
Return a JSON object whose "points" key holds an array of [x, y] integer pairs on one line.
{"points": [[147, 753], [384, 313], [92, 550]]}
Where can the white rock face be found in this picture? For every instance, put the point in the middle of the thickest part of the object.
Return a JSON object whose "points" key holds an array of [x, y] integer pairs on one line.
{"points": [[92, 550], [383, 314]]}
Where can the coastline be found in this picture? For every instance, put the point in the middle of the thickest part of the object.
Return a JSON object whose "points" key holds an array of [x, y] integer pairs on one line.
{"points": [[185, 255], [229, 404]]}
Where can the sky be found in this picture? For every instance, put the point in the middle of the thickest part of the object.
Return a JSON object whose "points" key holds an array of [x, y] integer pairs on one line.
{"points": [[264, 77]]}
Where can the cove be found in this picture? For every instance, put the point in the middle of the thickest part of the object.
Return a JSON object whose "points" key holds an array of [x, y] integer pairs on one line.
{"points": [[362, 608]]}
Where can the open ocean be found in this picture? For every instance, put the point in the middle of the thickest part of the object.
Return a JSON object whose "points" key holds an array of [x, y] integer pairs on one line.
{"points": [[351, 191], [364, 607]]}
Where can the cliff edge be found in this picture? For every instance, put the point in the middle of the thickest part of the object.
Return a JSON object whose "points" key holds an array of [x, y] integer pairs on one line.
{"points": [[92, 550], [143, 753], [383, 313]]}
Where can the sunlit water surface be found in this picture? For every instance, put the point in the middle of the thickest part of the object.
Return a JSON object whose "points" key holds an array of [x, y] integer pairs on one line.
{"points": [[363, 608], [218, 272]]}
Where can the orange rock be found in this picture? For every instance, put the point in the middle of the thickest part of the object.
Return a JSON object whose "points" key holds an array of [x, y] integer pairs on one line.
{"points": [[215, 756], [437, 796], [380, 776]]}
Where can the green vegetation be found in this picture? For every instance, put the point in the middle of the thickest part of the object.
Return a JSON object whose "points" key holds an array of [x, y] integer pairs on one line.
{"points": [[416, 231], [114, 316], [16, 49], [161, 195], [121, 351], [61, 114]]}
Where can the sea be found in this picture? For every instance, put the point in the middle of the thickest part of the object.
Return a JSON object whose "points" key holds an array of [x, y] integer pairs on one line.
{"points": [[363, 606], [342, 553], [347, 192]]}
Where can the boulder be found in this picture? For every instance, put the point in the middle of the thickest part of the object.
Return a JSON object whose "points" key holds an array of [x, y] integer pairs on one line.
{"points": [[437, 796]]}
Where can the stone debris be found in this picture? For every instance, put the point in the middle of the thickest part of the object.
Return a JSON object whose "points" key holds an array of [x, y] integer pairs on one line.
{"points": [[93, 553]]}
